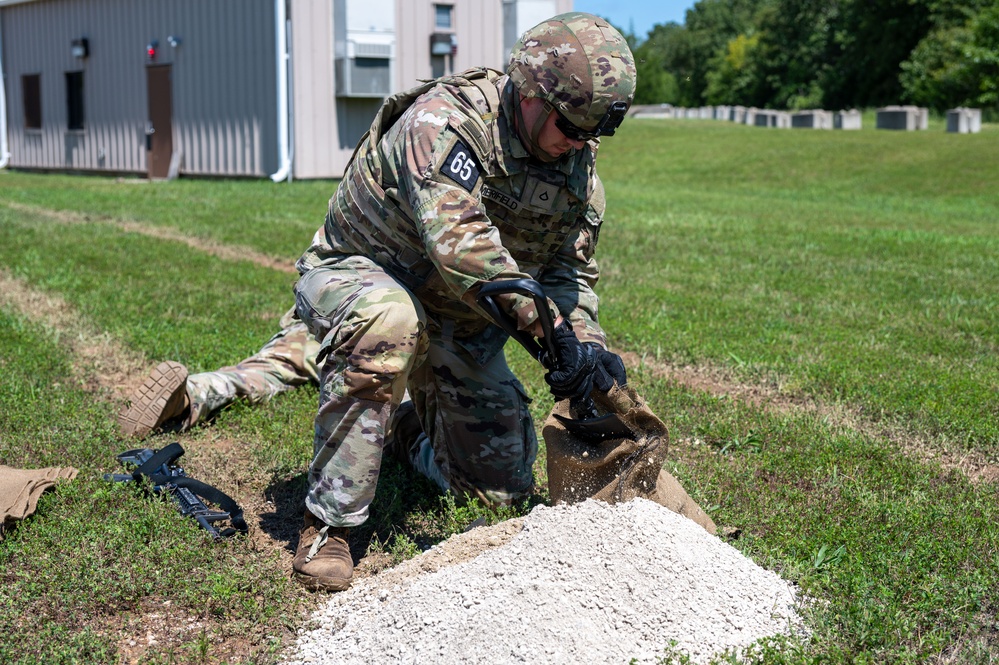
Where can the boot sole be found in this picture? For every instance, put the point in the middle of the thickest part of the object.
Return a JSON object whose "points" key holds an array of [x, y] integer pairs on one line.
{"points": [[322, 583], [154, 400]]}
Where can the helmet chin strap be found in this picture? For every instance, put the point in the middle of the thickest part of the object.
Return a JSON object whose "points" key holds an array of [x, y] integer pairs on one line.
{"points": [[531, 136]]}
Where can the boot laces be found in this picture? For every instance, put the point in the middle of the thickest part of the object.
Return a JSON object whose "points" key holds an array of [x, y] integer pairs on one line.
{"points": [[318, 543]]}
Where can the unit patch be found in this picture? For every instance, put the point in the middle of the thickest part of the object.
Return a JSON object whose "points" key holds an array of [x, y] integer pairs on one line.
{"points": [[461, 166]]}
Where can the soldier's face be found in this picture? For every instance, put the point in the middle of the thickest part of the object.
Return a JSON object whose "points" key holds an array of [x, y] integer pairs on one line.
{"points": [[553, 141], [550, 139]]}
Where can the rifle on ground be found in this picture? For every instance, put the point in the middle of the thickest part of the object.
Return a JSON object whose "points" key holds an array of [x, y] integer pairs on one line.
{"points": [[158, 467]]}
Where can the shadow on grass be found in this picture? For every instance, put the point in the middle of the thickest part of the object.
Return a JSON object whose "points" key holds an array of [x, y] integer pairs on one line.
{"points": [[402, 501], [407, 509]]}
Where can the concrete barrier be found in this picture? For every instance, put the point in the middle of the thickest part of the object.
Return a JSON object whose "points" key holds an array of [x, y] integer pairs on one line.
{"points": [[964, 120], [812, 119], [903, 118], [651, 111], [770, 118], [847, 119]]}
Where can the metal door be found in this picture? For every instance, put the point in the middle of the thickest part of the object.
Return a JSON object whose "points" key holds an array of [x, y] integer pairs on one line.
{"points": [[159, 126]]}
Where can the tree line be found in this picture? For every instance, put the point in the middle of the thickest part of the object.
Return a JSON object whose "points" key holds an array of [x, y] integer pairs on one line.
{"points": [[833, 54]]}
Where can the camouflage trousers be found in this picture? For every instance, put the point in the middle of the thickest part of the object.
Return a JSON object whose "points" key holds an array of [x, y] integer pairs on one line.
{"points": [[377, 344], [286, 361]]}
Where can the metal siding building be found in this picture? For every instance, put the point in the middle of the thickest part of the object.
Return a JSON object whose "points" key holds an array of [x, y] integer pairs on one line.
{"points": [[222, 74], [212, 99]]}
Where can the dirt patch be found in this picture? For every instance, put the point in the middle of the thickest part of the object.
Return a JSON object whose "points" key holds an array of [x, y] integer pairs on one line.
{"points": [[99, 362], [159, 626], [721, 383], [273, 517], [159, 631], [218, 250]]}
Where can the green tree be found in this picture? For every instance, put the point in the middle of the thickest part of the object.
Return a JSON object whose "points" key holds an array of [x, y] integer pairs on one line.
{"points": [[956, 65], [655, 84], [795, 51], [686, 51], [669, 47], [869, 39], [732, 74]]}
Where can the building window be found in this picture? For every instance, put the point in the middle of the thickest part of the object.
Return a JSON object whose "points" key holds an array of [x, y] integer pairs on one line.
{"points": [[443, 16], [31, 90], [74, 100]]}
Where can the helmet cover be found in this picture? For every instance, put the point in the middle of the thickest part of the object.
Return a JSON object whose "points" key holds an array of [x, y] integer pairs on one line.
{"points": [[582, 66]]}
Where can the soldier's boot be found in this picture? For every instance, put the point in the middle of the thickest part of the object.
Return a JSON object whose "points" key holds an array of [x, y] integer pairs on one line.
{"points": [[160, 398], [322, 561]]}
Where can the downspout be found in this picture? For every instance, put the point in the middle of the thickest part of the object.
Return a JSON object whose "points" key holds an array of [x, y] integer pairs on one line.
{"points": [[4, 155], [281, 31]]}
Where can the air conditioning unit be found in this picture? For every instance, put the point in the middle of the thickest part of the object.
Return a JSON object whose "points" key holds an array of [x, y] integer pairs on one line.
{"points": [[367, 72], [364, 51]]}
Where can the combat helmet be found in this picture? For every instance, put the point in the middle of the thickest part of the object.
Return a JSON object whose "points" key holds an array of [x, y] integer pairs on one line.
{"points": [[591, 94]]}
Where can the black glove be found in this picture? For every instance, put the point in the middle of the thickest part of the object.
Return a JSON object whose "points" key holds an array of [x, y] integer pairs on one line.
{"points": [[575, 364], [609, 368]]}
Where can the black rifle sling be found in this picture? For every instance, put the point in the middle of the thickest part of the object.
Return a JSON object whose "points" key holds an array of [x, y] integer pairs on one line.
{"points": [[206, 492], [166, 456], [161, 458]]}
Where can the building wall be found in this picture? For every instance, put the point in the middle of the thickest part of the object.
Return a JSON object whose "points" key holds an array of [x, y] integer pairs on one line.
{"points": [[315, 123], [478, 25], [223, 83], [224, 75], [520, 15], [328, 126]]}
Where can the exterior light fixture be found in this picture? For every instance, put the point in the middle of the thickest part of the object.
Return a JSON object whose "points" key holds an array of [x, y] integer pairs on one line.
{"points": [[174, 41], [80, 48], [151, 49]]}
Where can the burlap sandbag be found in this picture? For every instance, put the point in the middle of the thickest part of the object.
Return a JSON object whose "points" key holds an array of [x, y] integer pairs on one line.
{"points": [[20, 490], [616, 470]]}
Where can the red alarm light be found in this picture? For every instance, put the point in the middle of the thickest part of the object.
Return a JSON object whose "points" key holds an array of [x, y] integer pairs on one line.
{"points": [[151, 50]]}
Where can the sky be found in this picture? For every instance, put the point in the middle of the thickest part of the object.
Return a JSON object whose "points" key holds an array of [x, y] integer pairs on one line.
{"points": [[639, 15]]}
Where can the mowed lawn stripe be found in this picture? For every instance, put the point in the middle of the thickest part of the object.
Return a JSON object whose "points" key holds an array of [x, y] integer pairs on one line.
{"points": [[159, 297], [226, 252], [99, 362], [277, 220]]}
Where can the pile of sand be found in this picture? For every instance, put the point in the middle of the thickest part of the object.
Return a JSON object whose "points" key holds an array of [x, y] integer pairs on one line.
{"points": [[578, 584]]}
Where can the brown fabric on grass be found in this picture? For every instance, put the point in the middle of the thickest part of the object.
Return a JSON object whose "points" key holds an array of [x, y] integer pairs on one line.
{"points": [[616, 470], [21, 488]]}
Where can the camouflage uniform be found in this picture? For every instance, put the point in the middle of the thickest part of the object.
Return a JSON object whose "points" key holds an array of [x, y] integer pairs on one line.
{"points": [[286, 361], [440, 197]]}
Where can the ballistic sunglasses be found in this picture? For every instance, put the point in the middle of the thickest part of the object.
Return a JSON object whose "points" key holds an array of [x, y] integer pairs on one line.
{"points": [[606, 127]]}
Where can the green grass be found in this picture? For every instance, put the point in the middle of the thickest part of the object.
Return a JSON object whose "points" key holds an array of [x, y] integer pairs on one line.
{"points": [[75, 572], [850, 265], [852, 268]]}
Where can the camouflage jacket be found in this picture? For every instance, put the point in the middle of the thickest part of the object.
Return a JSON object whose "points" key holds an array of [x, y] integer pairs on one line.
{"points": [[443, 195]]}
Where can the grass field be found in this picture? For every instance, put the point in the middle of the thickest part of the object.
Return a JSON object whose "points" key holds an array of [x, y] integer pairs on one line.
{"points": [[815, 314]]}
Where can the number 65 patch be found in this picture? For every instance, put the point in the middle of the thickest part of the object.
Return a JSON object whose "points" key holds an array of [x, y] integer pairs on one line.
{"points": [[461, 166]]}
